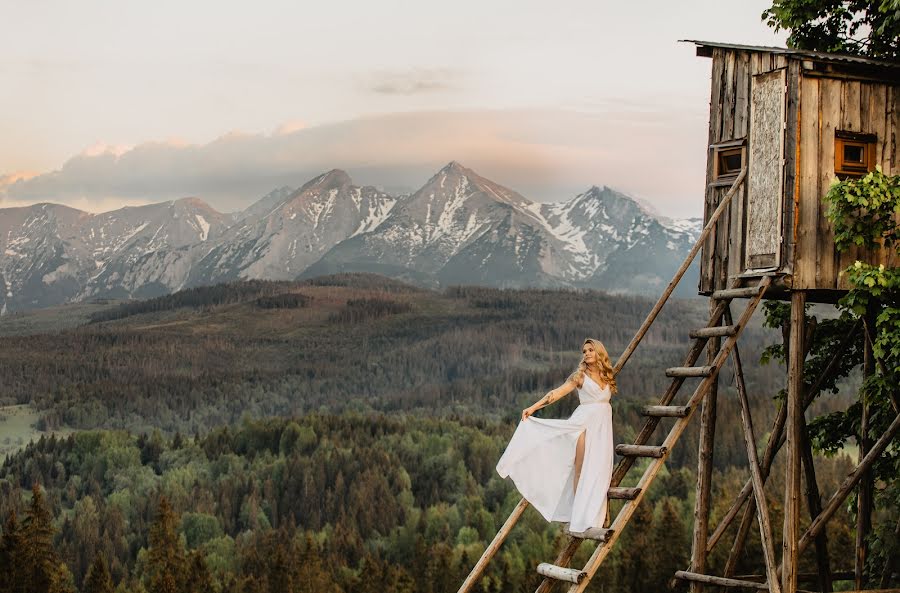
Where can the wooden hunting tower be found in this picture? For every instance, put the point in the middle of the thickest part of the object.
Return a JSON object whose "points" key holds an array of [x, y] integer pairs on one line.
{"points": [[796, 120], [783, 123]]}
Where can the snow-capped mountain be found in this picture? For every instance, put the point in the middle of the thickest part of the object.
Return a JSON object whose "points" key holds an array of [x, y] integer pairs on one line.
{"points": [[52, 253], [459, 228], [463, 228], [281, 242]]}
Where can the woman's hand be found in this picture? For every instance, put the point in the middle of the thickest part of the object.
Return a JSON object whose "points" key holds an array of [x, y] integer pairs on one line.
{"points": [[526, 413]]}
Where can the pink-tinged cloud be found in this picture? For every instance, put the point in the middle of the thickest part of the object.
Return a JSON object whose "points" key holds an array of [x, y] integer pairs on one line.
{"points": [[543, 154]]}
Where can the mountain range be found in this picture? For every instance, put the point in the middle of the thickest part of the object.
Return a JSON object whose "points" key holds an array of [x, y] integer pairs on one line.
{"points": [[459, 228]]}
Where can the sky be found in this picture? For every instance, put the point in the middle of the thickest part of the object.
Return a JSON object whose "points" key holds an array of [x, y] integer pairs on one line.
{"points": [[110, 103]]}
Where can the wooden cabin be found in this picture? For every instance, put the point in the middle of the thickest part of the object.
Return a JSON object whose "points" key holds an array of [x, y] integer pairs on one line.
{"points": [[795, 119]]}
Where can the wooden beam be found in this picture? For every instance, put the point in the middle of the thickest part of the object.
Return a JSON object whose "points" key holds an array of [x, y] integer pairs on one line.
{"points": [[864, 497], [759, 493], [849, 483], [814, 504], [651, 317], [791, 531], [493, 547], [694, 577], [706, 449]]}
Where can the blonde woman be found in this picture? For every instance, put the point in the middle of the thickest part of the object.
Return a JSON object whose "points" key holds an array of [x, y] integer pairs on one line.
{"points": [[563, 467]]}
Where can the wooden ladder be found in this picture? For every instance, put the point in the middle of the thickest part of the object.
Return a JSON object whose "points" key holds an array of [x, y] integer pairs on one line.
{"points": [[633, 496], [579, 579]]}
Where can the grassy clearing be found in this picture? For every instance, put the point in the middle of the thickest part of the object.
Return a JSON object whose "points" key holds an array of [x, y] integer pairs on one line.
{"points": [[17, 428]]}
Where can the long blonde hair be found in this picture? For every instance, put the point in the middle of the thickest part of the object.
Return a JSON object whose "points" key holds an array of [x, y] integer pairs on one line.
{"points": [[603, 367]]}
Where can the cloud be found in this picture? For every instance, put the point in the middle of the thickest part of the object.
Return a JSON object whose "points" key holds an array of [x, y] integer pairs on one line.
{"points": [[414, 82], [543, 154]]}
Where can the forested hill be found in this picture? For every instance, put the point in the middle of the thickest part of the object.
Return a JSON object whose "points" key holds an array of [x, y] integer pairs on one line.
{"points": [[392, 407], [205, 357]]}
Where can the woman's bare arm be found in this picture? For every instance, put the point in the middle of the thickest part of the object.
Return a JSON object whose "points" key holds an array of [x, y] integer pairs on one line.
{"points": [[551, 397]]}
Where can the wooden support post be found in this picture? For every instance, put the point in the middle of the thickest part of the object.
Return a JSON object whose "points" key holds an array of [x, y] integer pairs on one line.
{"points": [[864, 497], [814, 503], [759, 494], [776, 440], [704, 468], [791, 543]]}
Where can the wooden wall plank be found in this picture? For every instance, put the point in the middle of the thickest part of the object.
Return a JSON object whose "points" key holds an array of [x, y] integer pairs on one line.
{"points": [[728, 98], [737, 208], [805, 255], [791, 144], [715, 129], [829, 120], [851, 121]]}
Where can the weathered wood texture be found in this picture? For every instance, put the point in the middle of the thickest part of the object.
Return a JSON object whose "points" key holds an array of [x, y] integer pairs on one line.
{"points": [[729, 120], [826, 105], [817, 103], [791, 531], [766, 173]]}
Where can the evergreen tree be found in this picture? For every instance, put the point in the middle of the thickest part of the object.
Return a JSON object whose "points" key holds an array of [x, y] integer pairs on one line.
{"points": [[39, 559], [199, 580], [165, 559], [11, 551], [97, 579]]}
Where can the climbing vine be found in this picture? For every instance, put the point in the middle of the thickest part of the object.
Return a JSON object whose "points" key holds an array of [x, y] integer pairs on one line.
{"points": [[863, 210], [864, 213]]}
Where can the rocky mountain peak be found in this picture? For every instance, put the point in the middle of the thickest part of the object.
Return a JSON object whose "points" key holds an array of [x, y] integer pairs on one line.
{"points": [[334, 179]]}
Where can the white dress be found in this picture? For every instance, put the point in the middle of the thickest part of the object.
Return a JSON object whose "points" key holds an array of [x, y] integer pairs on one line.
{"points": [[540, 459]]}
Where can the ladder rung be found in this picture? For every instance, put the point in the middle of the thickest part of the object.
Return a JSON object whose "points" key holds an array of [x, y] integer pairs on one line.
{"points": [[735, 293], [714, 332], [640, 450], [689, 371], [572, 575], [666, 411], [623, 493], [598, 534]]}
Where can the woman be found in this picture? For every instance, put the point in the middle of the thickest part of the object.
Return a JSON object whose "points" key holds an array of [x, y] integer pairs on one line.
{"points": [[563, 467]]}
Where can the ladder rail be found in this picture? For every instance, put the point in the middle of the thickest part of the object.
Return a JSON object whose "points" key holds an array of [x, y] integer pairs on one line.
{"points": [[681, 424], [704, 234], [501, 535], [644, 435]]}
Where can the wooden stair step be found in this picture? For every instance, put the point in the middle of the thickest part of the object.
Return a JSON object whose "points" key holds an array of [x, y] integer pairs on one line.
{"points": [[666, 411], [640, 450], [714, 332], [598, 534], [735, 293], [571, 575], [704, 371], [620, 493]]}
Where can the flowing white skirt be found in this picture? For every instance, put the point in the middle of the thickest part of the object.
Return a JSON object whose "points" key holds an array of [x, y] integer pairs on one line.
{"points": [[540, 459]]}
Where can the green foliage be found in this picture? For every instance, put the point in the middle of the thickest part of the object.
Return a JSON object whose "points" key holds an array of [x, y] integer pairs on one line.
{"points": [[863, 211], [375, 503], [865, 27]]}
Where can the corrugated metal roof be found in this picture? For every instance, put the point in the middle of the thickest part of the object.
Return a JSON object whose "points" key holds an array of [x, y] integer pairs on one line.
{"points": [[801, 53]]}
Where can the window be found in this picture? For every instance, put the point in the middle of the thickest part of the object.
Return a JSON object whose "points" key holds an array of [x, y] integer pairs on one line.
{"points": [[854, 153], [729, 159]]}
